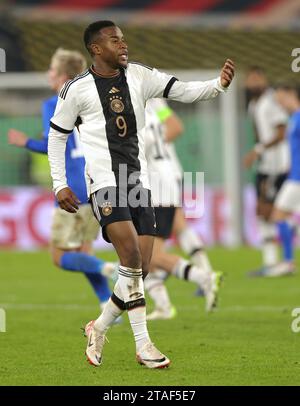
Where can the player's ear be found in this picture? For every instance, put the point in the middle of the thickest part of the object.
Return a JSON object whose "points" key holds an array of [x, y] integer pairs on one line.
{"points": [[96, 49]]}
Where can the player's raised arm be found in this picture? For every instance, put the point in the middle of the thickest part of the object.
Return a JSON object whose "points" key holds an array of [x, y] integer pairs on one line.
{"points": [[61, 125], [159, 84]]}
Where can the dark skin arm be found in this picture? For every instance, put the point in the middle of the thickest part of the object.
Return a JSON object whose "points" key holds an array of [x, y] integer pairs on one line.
{"points": [[174, 127], [67, 200], [253, 155]]}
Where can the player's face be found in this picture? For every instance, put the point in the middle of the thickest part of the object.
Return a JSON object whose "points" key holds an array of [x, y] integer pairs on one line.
{"points": [[256, 83], [55, 79], [112, 47]]}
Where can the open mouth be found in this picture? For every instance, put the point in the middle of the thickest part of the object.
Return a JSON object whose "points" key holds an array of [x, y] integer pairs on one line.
{"points": [[124, 57]]}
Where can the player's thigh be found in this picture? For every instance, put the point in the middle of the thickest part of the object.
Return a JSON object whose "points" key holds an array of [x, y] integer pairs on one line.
{"points": [[179, 223], [264, 209], [87, 247], [279, 215], [267, 189], [66, 230], [56, 254], [264, 205]]}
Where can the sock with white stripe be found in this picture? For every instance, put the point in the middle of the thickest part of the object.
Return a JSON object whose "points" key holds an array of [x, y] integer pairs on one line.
{"points": [[193, 246], [189, 272], [132, 288], [156, 289], [111, 311], [268, 244]]}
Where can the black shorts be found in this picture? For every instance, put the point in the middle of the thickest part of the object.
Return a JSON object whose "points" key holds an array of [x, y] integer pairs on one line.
{"points": [[164, 221], [268, 186], [113, 204]]}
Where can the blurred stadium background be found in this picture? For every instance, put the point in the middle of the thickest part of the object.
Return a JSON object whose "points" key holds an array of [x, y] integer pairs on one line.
{"points": [[188, 37]]}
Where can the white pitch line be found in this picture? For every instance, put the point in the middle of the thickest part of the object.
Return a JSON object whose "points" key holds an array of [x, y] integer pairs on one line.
{"points": [[73, 306]]}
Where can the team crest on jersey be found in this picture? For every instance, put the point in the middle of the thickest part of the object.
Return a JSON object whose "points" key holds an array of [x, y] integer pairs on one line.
{"points": [[106, 208], [116, 104]]}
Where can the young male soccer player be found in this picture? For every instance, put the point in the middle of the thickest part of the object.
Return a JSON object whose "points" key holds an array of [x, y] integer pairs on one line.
{"points": [[71, 236], [110, 98], [288, 199], [166, 198], [271, 153]]}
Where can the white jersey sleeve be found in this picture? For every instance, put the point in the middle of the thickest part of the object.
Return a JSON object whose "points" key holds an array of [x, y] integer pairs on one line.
{"points": [[159, 84], [67, 109], [62, 124]]}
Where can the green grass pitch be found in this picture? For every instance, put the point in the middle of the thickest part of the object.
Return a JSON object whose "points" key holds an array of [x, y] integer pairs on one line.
{"points": [[248, 341]]}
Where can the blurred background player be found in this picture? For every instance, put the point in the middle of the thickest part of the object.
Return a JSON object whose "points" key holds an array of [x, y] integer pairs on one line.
{"points": [[190, 242], [166, 196], [272, 156], [71, 235], [288, 199]]}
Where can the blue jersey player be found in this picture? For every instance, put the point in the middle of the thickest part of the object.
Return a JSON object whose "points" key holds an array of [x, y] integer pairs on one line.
{"points": [[288, 199], [71, 235]]}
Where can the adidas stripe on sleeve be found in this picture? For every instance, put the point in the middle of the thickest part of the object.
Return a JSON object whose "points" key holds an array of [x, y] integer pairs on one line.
{"points": [[67, 110]]}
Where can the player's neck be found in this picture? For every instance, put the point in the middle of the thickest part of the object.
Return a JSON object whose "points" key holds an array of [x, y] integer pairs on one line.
{"points": [[102, 69]]}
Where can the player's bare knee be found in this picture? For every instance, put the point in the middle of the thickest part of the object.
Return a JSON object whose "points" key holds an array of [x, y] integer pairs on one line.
{"points": [[131, 258], [56, 260]]}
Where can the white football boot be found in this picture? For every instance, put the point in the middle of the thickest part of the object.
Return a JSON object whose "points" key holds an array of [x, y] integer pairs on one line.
{"points": [[95, 344], [281, 269], [162, 314], [151, 357], [111, 270], [212, 292]]}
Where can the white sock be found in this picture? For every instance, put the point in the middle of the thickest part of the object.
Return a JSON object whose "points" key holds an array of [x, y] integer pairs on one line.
{"points": [[201, 260], [187, 271], [269, 247], [189, 241], [160, 274], [109, 314], [193, 246], [132, 287], [157, 291]]}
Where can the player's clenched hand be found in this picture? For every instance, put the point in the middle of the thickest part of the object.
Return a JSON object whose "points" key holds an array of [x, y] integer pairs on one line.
{"points": [[67, 200], [227, 73], [16, 137]]}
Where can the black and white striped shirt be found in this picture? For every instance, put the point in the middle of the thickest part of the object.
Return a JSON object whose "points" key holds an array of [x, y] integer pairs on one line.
{"points": [[112, 113]]}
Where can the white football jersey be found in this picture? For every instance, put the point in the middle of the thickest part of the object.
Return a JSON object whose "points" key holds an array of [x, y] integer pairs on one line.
{"points": [[267, 115], [112, 113], [176, 165], [165, 190]]}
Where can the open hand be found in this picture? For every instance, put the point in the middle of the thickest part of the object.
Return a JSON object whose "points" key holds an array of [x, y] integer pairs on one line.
{"points": [[16, 137]]}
